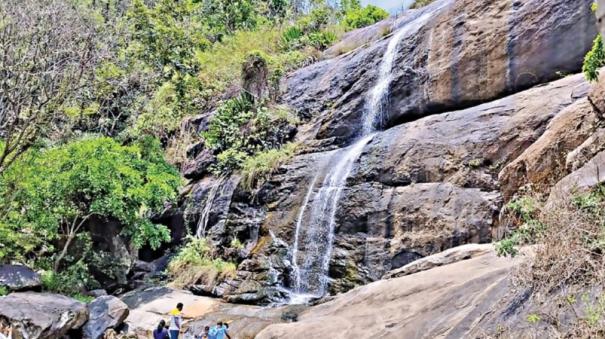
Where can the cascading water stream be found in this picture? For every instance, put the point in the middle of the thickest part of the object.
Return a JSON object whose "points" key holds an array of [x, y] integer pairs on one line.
{"points": [[202, 223], [314, 233], [318, 234]]}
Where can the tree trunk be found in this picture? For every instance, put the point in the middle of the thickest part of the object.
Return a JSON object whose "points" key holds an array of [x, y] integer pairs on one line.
{"points": [[70, 238]]}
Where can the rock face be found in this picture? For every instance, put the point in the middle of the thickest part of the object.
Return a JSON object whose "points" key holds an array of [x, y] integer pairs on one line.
{"points": [[446, 257], [461, 134], [422, 187], [453, 54], [19, 278], [442, 302], [104, 313], [544, 162], [114, 259], [41, 315]]}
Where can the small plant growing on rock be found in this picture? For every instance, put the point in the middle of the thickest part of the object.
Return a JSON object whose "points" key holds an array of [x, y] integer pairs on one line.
{"points": [[196, 263], [421, 3], [236, 244], [525, 211], [533, 318], [3, 291], [594, 60]]}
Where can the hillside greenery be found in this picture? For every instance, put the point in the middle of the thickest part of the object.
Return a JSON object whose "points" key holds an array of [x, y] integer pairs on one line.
{"points": [[95, 96]]}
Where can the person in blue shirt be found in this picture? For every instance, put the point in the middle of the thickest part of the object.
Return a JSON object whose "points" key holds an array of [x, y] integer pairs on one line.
{"points": [[220, 331]]}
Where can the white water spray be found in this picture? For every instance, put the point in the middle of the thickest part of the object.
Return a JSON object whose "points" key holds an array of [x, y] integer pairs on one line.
{"points": [[202, 223], [314, 235]]}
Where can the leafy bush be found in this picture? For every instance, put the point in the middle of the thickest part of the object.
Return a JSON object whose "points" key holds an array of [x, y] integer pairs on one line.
{"points": [[362, 17], [240, 129], [72, 281], [3, 291], [194, 263], [51, 194], [594, 60], [317, 29]]}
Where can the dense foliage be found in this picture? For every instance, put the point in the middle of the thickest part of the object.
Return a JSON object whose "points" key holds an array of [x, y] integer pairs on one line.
{"points": [[48, 195], [95, 95]]}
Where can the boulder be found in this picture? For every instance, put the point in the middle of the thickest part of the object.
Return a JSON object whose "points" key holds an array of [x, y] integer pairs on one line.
{"points": [[19, 278], [581, 180], [452, 54], [114, 259], [446, 257], [104, 313], [255, 74], [199, 166], [443, 301], [41, 315], [588, 149], [544, 162]]}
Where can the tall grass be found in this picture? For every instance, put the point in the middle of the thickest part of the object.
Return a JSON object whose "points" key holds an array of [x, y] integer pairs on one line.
{"points": [[194, 264], [258, 168]]}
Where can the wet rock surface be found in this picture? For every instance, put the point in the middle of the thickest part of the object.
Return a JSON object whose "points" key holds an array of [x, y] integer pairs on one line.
{"points": [[425, 186], [445, 301]]}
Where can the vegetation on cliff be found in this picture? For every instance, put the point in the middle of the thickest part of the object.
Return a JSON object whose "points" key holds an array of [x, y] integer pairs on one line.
{"points": [[49, 194], [92, 99]]}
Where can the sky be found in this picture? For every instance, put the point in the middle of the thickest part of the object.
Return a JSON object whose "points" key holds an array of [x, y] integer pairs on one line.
{"points": [[390, 5]]}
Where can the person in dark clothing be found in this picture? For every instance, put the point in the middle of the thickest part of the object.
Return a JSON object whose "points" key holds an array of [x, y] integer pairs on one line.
{"points": [[161, 332]]}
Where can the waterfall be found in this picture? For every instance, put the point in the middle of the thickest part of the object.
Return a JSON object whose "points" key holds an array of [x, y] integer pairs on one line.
{"points": [[374, 117], [317, 235], [205, 214], [314, 234], [377, 100]]}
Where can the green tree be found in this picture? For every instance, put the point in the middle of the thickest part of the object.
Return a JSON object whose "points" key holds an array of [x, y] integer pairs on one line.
{"points": [[50, 194]]}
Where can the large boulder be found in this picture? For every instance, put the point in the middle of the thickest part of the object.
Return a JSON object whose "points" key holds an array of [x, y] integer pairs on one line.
{"points": [[41, 315], [452, 54], [444, 302], [104, 313], [19, 278]]}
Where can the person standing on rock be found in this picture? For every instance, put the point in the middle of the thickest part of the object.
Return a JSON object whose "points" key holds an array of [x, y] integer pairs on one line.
{"points": [[176, 320]]}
